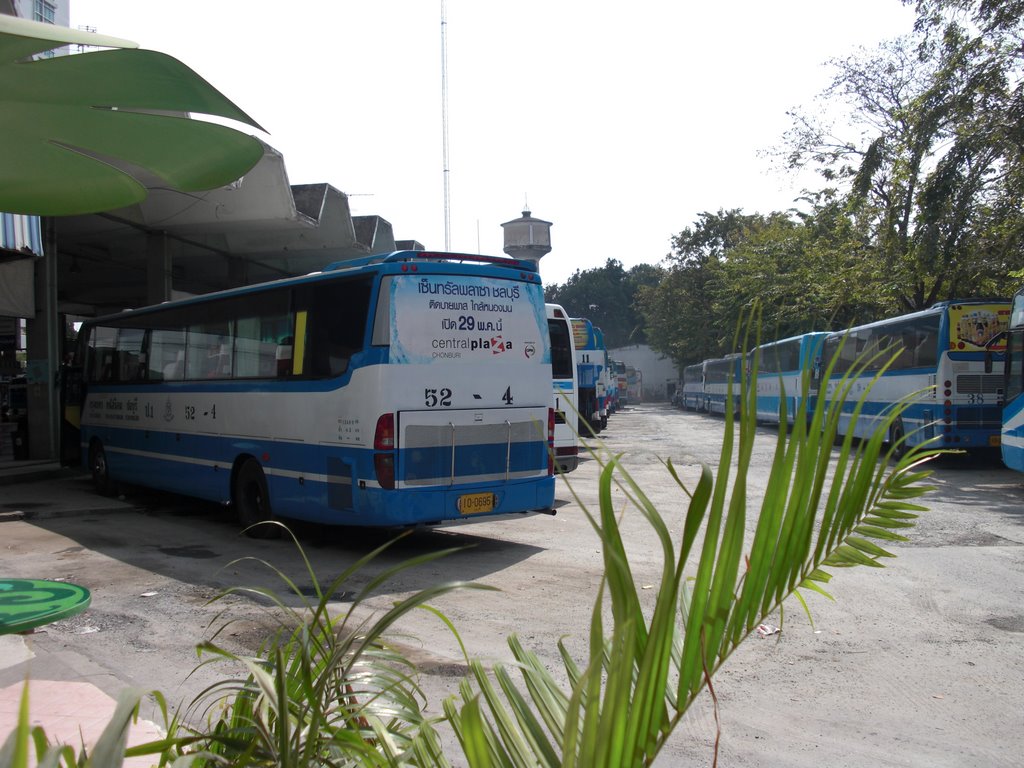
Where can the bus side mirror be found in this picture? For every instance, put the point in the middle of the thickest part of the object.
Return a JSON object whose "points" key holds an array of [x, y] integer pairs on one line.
{"points": [[988, 362]]}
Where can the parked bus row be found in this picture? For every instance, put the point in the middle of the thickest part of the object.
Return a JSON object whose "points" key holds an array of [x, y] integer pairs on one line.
{"points": [[948, 359], [588, 386]]}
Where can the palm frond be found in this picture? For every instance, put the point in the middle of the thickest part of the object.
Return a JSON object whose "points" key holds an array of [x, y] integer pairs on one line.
{"points": [[822, 509]]}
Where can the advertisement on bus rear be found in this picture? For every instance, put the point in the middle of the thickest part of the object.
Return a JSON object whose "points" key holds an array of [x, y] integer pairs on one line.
{"points": [[437, 318], [973, 326]]}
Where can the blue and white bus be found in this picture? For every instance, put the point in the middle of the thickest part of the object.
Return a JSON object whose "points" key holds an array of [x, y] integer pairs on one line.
{"points": [[403, 389], [566, 401], [718, 373], [942, 360], [1013, 410], [780, 368], [589, 363], [692, 396]]}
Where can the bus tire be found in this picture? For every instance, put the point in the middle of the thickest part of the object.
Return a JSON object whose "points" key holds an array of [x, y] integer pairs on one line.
{"points": [[896, 439], [100, 470], [252, 502]]}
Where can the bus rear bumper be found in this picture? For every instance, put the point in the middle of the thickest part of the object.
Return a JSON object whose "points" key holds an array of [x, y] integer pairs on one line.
{"points": [[441, 506]]}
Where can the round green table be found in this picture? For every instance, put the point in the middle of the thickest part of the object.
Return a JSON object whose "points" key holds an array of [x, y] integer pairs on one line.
{"points": [[29, 603]]}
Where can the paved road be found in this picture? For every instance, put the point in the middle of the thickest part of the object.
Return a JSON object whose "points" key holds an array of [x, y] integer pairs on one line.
{"points": [[917, 665]]}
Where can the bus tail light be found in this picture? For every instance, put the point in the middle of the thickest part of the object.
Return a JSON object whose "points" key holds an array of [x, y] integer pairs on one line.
{"points": [[384, 467], [384, 440], [384, 435], [551, 441]]}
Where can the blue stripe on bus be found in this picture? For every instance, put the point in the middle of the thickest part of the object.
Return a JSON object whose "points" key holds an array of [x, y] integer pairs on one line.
{"points": [[312, 482]]}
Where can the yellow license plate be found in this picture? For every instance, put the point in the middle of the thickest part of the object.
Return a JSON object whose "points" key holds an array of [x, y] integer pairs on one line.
{"points": [[474, 503], [994, 441]]}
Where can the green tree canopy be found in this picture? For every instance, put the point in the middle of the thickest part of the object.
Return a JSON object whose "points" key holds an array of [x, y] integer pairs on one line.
{"points": [[930, 164], [606, 295]]}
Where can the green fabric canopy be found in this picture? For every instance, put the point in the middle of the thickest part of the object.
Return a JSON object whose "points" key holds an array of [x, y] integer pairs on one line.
{"points": [[77, 130]]}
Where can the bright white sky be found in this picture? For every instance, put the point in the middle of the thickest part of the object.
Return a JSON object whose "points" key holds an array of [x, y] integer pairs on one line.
{"points": [[619, 122]]}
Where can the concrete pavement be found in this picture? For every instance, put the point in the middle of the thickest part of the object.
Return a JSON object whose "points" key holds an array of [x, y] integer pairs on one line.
{"points": [[68, 696]]}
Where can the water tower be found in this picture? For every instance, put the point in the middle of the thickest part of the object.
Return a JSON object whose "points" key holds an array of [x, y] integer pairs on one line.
{"points": [[527, 238]]}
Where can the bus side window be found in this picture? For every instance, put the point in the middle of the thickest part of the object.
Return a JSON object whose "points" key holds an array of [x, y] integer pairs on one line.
{"points": [[100, 359], [336, 325], [283, 356], [167, 354], [131, 356], [927, 352], [208, 352]]}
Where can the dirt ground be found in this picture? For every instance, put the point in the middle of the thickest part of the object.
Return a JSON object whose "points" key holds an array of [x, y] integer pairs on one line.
{"points": [[919, 664]]}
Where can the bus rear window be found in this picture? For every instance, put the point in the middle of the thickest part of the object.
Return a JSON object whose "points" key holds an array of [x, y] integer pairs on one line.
{"points": [[562, 363]]}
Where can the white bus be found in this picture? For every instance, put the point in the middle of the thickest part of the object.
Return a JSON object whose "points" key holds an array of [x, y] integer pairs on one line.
{"points": [[692, 396], [721, 374], [566, 401], [402, 389]]}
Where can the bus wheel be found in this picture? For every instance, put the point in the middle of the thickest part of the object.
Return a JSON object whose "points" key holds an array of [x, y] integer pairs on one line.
{"points": [[100, 471], [896, 439], [252, 502]]}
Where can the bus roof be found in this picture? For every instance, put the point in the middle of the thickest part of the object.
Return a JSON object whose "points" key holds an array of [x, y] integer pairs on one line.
{"points": [[935, 309], [798, 337], [407, 259], [412, 256]]}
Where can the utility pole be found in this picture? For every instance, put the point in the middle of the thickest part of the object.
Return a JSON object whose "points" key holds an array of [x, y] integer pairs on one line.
{"points": [[444, 125]]}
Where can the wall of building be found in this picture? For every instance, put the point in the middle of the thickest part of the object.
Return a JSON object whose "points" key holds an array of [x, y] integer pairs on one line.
{"points": [[26, 9], [657, 369]]}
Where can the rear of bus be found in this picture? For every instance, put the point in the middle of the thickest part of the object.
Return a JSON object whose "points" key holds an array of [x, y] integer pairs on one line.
{"points": [[563, 382], [463, 424], [692, 398], [587, 372], [601, 358], [969, 381], [943, 361]]}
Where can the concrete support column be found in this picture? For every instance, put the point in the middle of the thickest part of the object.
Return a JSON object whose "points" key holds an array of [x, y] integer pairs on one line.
{"points": [[158, 268], [44, 336]]}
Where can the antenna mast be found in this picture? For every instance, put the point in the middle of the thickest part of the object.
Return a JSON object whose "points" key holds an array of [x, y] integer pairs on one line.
{"points": [[444, 124]]}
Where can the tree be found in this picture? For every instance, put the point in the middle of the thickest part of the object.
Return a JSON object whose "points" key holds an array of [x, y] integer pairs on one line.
{"points": [[606, 295], [927, 168], [717, 268], [981, 46]]}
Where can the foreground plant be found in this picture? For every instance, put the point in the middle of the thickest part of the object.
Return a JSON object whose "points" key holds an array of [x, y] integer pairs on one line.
{"points": [[819, 511], [324, 689], [327, 689]]}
